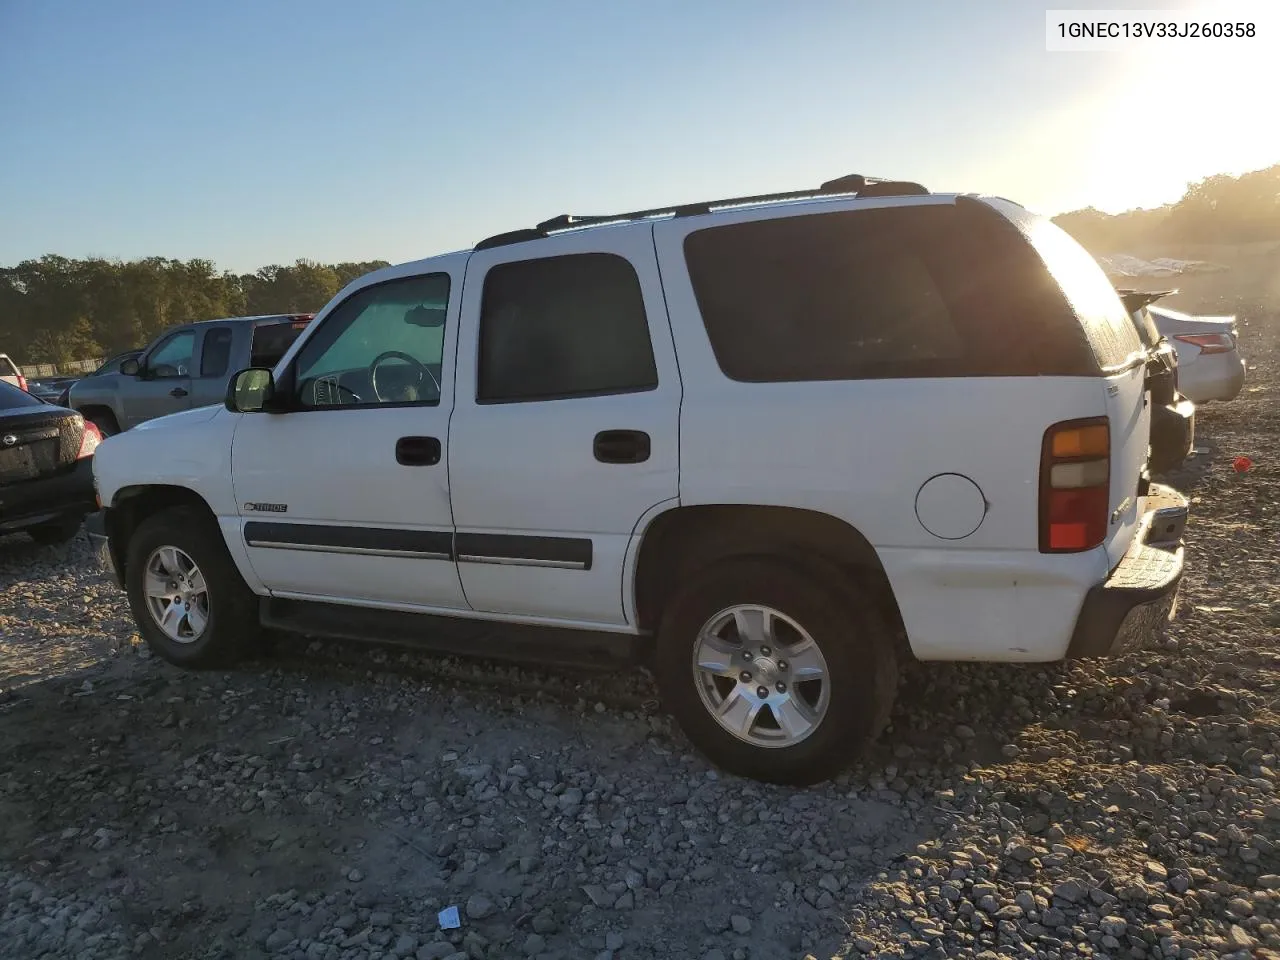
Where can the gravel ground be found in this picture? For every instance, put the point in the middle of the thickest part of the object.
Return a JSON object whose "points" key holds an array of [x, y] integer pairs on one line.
{"points": [[327, 802]]}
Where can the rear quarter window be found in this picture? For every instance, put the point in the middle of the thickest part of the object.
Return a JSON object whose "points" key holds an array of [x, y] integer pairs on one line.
{"points": [[271, 341], [7, 368], [939, 290]]}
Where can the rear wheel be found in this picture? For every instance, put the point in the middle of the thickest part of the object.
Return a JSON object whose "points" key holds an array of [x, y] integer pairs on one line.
{"points": [[55, 532], [776, 673], [190, 603]]}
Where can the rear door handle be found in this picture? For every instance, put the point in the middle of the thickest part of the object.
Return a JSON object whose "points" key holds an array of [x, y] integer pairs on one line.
{"points": [[621, 446], [177, 392], [418, 451]]}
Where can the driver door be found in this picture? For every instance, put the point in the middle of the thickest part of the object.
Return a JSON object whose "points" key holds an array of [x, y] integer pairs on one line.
{"points": [[345, 498], [164, 381]]}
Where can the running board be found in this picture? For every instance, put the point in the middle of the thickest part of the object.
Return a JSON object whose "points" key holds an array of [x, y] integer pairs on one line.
{"points": [[461, 636]]}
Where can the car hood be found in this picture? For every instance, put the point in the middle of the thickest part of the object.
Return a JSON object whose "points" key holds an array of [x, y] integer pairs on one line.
{"points": [[183, 418]]}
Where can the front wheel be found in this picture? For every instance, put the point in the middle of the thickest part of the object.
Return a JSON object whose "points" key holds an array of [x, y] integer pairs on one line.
{"points": [[190, 603], [776, 673]]}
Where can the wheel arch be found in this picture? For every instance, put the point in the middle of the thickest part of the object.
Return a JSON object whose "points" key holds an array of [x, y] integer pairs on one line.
{"points": [[132, 505], [683, 538]]}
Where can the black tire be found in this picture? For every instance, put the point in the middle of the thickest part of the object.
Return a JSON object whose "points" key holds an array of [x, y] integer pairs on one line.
{"points": [[232, 607], [848, 628], [105, 421], [55, 532]]}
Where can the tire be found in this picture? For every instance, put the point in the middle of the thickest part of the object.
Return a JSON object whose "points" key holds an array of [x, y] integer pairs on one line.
{"points": [[228, 607], [55, 532], [845, 625], [105, 421]]}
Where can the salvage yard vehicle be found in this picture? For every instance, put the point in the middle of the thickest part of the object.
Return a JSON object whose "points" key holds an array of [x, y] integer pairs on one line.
{"points": [[1173, 416], [46, 474], [779, 443], [1210, 366], [187, 366], [11, 373]]}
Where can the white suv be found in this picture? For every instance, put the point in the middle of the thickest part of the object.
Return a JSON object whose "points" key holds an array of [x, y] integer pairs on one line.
{"points": [[779, 443]]}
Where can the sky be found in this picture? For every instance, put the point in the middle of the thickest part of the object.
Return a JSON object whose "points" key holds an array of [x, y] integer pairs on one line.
{"points": [[251, 132]]}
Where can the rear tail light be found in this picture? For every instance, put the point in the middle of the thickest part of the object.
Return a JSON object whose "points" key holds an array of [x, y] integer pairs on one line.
{"points": [[89, 442], [1075, 485], [1209, 342], [22, 382]]}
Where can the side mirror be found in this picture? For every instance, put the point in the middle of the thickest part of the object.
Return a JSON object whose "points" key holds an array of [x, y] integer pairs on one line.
{"points": [[130, 367], [252, 390]]}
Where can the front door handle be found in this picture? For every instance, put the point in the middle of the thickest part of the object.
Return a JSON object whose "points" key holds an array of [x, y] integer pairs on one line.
{"points": [[417, 451], [621, 446], [177, 392]]}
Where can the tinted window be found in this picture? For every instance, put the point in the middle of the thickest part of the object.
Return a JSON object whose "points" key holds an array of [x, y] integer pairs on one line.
{"points": [[382, 345], [172, 358], [1106, 323], [11, 397], [7, 369], [271, 341], [215, 356], [571, 326], [916, 291]]}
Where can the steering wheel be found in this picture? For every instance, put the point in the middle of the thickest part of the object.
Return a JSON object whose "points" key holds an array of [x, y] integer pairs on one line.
{"points": [[398, 355]]}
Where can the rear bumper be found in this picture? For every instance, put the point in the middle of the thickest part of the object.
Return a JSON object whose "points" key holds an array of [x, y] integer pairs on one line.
{"points": [[1130, 607], [1215, 377], [30, 502]]}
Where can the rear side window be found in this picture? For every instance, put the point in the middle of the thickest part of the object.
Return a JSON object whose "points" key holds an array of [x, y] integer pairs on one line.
{"points": [[271, 341], [215, 354], [558, 327], [7, 369], [11, 397], [912, 291]]}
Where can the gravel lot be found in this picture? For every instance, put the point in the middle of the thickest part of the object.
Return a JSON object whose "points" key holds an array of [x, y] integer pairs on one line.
{"points": [[327, 801]]}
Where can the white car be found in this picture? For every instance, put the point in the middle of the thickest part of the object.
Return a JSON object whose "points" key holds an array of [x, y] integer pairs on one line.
{"points": [[11, 373], [780, 444], [1209, 363]]}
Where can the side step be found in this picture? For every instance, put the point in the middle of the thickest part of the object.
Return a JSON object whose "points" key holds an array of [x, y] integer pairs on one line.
{"points": [[518, 643]]}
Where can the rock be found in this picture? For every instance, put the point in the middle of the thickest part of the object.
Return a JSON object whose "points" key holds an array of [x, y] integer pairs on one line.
{"points": [[278, 939], [436, 950], [534, 944], [741, 925], [1156, 873], [479, 906], [1072, 891]]}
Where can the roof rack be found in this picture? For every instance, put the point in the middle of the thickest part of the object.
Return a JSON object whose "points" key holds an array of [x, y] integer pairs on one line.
{"points": [[853, 185]]}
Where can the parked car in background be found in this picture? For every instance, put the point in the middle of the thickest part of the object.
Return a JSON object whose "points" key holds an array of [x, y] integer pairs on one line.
{"points": [[664, 432], [1173, 416], [10, 373], [185, 367], [1210, 366], [50, 389], [46, 472]]}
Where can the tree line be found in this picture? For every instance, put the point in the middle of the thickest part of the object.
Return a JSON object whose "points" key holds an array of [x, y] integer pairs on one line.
{"points": [[56, 310], [1218, 209]]}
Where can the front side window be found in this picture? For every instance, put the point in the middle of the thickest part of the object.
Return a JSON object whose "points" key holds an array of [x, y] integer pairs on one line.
{"points": [[383, 345], [173, 357], [215, 355], [558, 327]]}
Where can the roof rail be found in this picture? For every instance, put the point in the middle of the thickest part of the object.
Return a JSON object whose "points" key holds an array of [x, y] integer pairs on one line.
{"points": [[853, 185]]}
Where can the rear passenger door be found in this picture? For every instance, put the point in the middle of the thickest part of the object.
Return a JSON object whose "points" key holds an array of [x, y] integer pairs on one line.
{"points": [[565, 428]]}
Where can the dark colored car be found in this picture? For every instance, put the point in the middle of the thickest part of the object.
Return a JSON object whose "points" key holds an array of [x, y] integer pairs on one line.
{"points": [[1173, 416], [50, 389], [46, 467], [111, 365]]}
